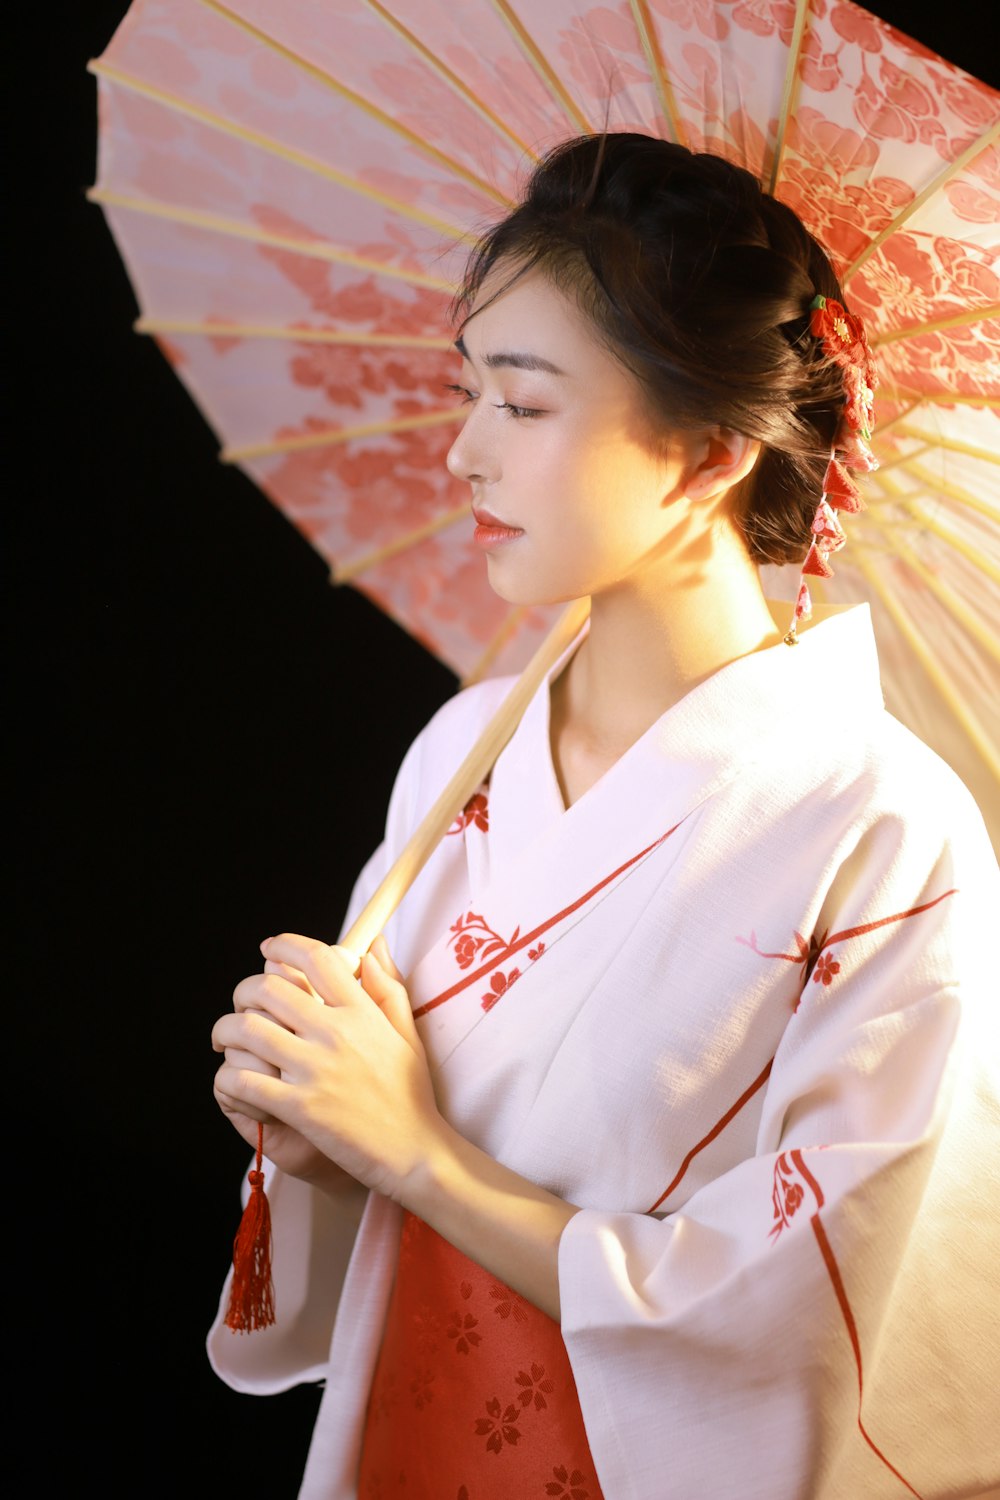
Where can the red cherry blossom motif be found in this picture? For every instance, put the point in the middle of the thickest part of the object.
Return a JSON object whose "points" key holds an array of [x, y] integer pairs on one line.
{"points": [[534, 1387], [465, 950], [826, 967], [567, 1484], [475, 814], [508, 1303], [499, 985], [498, 1426], [475, 938], [462, 1328], [420, 1389]]}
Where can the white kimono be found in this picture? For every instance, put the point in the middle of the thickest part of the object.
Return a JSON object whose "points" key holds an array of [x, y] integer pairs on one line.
{"points": [[739, 1003]]}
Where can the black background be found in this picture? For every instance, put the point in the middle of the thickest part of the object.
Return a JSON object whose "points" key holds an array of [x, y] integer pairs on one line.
{"points": [[206, 734]]}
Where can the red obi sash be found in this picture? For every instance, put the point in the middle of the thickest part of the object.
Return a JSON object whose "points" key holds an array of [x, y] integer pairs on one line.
{"points": [[473, 1397]]}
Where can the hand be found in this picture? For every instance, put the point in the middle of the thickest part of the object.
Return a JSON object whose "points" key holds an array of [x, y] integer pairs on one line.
{"points": [[347, 1077]]}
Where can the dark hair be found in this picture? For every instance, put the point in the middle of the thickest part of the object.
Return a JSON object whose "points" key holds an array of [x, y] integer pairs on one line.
{"points": [[699, 282]]}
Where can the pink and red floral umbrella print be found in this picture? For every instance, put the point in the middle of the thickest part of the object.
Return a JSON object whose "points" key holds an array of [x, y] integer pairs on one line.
{"points": [[294, 189]]}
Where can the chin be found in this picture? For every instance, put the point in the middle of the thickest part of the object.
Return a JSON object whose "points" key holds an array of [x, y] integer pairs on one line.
{"points": [[522, 594], [522, 586]]}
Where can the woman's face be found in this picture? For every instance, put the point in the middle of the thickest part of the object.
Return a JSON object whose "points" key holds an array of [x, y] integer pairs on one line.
{"points": [[561, 455]]}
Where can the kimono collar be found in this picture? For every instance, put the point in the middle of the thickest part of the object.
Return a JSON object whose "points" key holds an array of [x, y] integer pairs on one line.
{"points": [[773, 702]]}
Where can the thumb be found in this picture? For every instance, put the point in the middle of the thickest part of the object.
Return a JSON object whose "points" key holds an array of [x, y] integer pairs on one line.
{"points": [[380, 949], [387, 990]]}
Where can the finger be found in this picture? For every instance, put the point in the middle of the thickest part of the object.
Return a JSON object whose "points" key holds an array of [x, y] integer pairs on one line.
{"points": [[236, 1057], [275, 996], [239, 1111], [380, 948], [330, 970], [251, 1093], [389, 995], [256, 1034], [294, 976]]}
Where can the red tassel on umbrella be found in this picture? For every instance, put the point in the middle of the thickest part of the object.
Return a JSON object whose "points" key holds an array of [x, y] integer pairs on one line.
{"points": [[251, 1296]]}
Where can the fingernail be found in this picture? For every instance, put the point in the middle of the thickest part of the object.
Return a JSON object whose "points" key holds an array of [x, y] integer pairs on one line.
{"points": [[264, 944]]}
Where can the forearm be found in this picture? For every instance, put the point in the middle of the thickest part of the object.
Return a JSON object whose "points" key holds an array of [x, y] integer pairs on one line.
{"points": [[506, 1223]]}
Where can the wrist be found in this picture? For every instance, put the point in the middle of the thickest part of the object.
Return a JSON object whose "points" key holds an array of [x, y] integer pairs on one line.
{"points": [[436, 1176], [504, 1222]]}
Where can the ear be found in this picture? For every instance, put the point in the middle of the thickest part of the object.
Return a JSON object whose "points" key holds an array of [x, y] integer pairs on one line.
{"points": [[717, 459]]}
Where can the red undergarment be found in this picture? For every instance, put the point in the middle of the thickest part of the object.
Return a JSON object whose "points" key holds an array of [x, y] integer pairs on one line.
{"points": [[473, 1397]]}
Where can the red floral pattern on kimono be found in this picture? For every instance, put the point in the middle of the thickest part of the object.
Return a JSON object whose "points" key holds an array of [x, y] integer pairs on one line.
{"points": [[475, 814], [486, 1406]]}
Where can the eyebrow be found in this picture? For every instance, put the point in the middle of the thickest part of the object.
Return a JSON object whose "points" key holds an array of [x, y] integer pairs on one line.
{"points": [[512, 359]]}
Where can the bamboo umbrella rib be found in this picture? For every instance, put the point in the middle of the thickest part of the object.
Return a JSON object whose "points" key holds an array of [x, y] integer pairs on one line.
{"points": [[901, 416], [512, 623], [935, 325], [470, 774], [953, 445], [650, 44], [790, 90], [549, 77], [935, 398], [311, 249], [969, 154], [358, 101], [895, 496], [952, 539], [953, 491], [354, 567], [951, 601], [338, 435], [266, 143], [885, 464], [922, 651], [291, 335], [452, 80]]}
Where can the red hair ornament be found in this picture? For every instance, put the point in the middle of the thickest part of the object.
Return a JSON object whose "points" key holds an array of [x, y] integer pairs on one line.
{"points": [[843, 339]]}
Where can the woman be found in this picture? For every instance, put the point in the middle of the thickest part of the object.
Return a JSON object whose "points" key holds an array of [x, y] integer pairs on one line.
{"points": [[667, 1127]]}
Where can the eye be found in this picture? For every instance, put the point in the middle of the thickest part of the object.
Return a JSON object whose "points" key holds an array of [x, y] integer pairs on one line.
{"points": [[520, 411], [501, 405], [458, 390]]}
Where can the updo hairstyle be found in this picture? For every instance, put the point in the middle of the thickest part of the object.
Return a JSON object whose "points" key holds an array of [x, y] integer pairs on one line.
{"points": [[699, 283]]}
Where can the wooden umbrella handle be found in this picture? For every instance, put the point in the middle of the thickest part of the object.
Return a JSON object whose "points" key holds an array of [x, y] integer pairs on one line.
{"points": [[470, 774]]}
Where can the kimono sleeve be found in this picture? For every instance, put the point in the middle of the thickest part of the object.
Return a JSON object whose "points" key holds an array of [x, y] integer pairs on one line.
{"points": [[822, 1320], [313, 1234]]}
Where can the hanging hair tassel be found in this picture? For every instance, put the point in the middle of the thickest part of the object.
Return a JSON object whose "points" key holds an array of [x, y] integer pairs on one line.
{"points": [[803, 604], [251, 1295], [826, 529], [839, 488], [816, 565], [843, 340]]}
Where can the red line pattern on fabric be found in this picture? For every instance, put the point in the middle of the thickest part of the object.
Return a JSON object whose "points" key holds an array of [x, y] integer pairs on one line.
{"points": [[809, 952], [899, 916], [531, 937], [833, 1270], [716, 1129], [796, 1156]]}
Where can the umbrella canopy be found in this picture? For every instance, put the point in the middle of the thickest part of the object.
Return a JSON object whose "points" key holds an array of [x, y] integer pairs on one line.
{"points": [[294, 190]]}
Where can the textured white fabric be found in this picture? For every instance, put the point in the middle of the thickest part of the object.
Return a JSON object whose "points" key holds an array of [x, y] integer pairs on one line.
{"points": [[753, 1035]]}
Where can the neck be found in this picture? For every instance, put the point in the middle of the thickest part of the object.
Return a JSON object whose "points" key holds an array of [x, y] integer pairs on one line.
{"points": [[652, 640]]}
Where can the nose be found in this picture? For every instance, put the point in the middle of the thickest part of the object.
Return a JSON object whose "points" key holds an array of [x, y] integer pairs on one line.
{"points": [[469, 456]]}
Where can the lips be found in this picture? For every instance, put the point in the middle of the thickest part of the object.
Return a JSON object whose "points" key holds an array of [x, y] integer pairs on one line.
{"points": [[486, 517]]}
